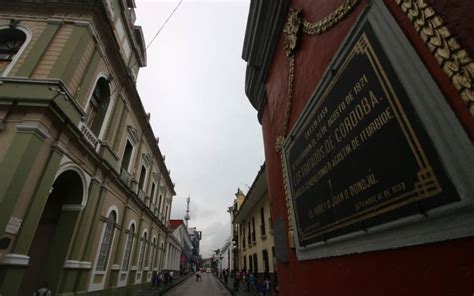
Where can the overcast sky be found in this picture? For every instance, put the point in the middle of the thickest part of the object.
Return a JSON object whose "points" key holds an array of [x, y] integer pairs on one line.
{"points": [[193, 86]]}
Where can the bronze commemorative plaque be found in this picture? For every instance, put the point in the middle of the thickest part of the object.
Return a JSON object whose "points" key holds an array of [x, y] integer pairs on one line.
{"points": [[361, 157]]}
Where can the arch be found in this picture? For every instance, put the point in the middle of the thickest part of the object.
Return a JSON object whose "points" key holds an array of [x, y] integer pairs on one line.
{"points": [[97, 281], [132, 221], [113, 208], [85, 178], [28, 35], [105, 245], [153, 248], [104, 75], [98, 103], [128, 246], [141, 255], [54, 232]]}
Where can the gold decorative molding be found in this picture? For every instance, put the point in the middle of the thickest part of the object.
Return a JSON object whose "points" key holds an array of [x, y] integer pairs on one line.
{"points": [[449, 54], [294, 27], [330, 20], [292, 30]]}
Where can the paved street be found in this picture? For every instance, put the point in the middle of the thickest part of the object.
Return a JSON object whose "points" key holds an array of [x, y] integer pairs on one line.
{"points": [[209, 286]]}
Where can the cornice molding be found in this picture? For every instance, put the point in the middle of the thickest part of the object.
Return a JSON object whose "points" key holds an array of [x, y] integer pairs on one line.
{"points": [[263, 29], [34, 128]]}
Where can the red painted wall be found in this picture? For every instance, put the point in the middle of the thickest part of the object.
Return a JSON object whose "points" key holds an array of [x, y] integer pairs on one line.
{"points": [[445, 268]]}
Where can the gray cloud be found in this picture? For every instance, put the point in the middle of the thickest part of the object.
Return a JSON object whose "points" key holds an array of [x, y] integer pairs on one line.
{"points": [[194, 88]]}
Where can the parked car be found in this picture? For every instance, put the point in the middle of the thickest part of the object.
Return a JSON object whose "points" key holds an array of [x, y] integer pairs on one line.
{"points": [[208, 269]]}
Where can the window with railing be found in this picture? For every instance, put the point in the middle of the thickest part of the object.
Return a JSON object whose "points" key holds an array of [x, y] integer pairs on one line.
{"points": [[253, 230], [105, 246], [127, 155], [98, 105], [262, 223], [249, 242], [243, 235], [159, 205], [142, 251], [266, 264], [11, 41], [141, 180], [152, 197], [128, 248], [255, 263]]}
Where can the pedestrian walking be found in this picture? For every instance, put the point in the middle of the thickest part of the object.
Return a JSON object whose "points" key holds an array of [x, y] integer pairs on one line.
{"points": [[171, 277], [260, 288], [225, 273], [154, 280], [162, 278], [252, 279], [198, 275], [43, 291], [236, 280], [267, 286]]}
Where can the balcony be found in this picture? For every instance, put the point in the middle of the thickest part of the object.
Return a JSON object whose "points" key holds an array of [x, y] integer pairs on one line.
{"points": [[124, 176], [88, 135], [141, 195], [262, 232]]}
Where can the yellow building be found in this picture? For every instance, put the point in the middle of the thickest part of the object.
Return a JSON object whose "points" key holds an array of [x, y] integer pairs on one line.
{"points": [[253, 232], [85, 195]]}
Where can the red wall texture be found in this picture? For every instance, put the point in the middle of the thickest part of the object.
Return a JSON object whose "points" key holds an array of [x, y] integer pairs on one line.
{"points": [[445, 268]]}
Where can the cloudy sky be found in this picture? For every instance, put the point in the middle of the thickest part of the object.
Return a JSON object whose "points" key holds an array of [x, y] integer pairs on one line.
{"points": [[193, 86]]}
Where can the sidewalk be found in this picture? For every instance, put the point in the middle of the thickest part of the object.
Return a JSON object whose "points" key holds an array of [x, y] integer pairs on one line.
{"points": [[147, 289], [242, 288]]}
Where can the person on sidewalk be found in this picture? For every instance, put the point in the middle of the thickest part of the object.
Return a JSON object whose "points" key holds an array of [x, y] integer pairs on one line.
{"points": [[236, 280], [252, 279], [267, 286], [260, 287], [225, 273], [43, 291], [154, 280], [171, 277]]}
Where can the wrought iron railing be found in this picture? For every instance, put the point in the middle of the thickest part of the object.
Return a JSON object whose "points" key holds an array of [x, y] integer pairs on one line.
{"points": [[88, 134], [124, 176], [141, 195]]}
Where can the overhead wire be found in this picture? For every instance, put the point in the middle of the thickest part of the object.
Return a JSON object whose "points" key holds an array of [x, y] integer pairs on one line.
{"points": [[164, 24], [152, 40]]}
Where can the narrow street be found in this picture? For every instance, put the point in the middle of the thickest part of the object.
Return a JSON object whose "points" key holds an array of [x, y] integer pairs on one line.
{"points": [[209, 286]]}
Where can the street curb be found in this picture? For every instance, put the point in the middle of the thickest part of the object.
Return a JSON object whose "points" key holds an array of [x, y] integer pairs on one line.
{"points": [[164, 291], [222, 283]]}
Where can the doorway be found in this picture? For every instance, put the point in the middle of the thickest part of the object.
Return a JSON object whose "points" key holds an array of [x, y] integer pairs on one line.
{"points": [[51, 242]]}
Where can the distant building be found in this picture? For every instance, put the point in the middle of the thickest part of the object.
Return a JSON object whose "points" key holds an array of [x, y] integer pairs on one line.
{"points": [[195, 237], [180, 232], [253, 231], [85, 194]]}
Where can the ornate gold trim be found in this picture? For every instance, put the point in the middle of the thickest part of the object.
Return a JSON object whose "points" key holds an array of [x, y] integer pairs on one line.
{"points": [[449, 54], [292, 30], [294, 27], [330, 20]]}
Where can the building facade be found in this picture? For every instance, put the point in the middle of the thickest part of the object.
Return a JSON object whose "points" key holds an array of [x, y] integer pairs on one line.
{"points": [[180, 232], [195, 236], [367, 116], [254, 234], [85, 196]]}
